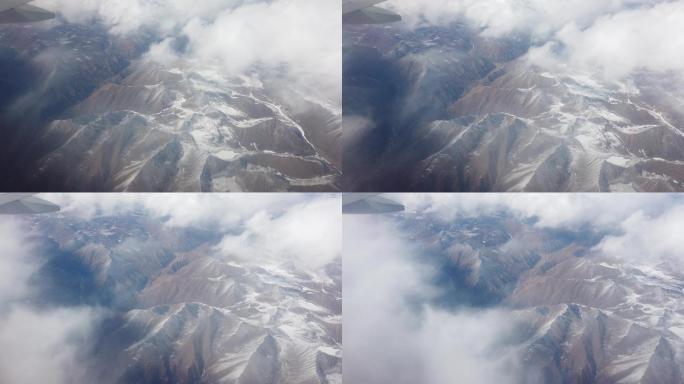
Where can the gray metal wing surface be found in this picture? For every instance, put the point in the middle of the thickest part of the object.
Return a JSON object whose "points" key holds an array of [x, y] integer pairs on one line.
{"points": [[366, 12], [368, 204], [24, 204], [19, 11]]}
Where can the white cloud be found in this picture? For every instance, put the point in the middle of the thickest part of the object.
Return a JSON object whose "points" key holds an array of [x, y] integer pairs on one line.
{"points": [[551, 210], [298, 39], [308, 233], [303, 35], [615, 38], [497, 18], [38, 346], [16, 261], [618, 45], [648, 238], [392, 335], [300, 227], [180, 209], [644, 226], [123, 17], [42, 347]]}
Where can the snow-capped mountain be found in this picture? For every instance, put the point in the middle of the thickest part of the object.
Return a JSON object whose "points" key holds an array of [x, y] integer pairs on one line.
{"points": [[175, 129], [178, 309], [532, 130], [92, 111], [578, 315], [460, 112]]}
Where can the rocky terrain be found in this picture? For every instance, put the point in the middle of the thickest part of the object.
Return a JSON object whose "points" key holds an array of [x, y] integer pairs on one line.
{"points": [[177, 310], [580, 316], [445, 109], [87, 111]]}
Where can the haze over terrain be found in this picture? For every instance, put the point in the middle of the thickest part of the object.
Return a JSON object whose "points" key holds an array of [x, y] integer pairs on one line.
{"points": [[143, 95], [516, 95], [239, 289], [516, 289]]}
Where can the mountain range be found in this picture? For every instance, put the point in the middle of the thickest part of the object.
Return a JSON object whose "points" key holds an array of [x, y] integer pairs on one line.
{"points": [[446, 109], [175, 308]]}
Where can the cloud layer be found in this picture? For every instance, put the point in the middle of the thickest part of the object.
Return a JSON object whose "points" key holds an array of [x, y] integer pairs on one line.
{"points": [[551, 210], [39, 346], [648, 38], [387, 321], [42, 346], [179, 209], [298, 227], [497, 18], [616, 37], [647, 238], [298, 38], [308, 233], [16, 264], [643, 227], [277, 227]]}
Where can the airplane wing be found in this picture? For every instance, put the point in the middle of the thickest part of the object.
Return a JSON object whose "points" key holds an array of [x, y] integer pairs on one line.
{"points": [[365, 12], [355, 5], [23, 13], [24, 204], [368, 203]]}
